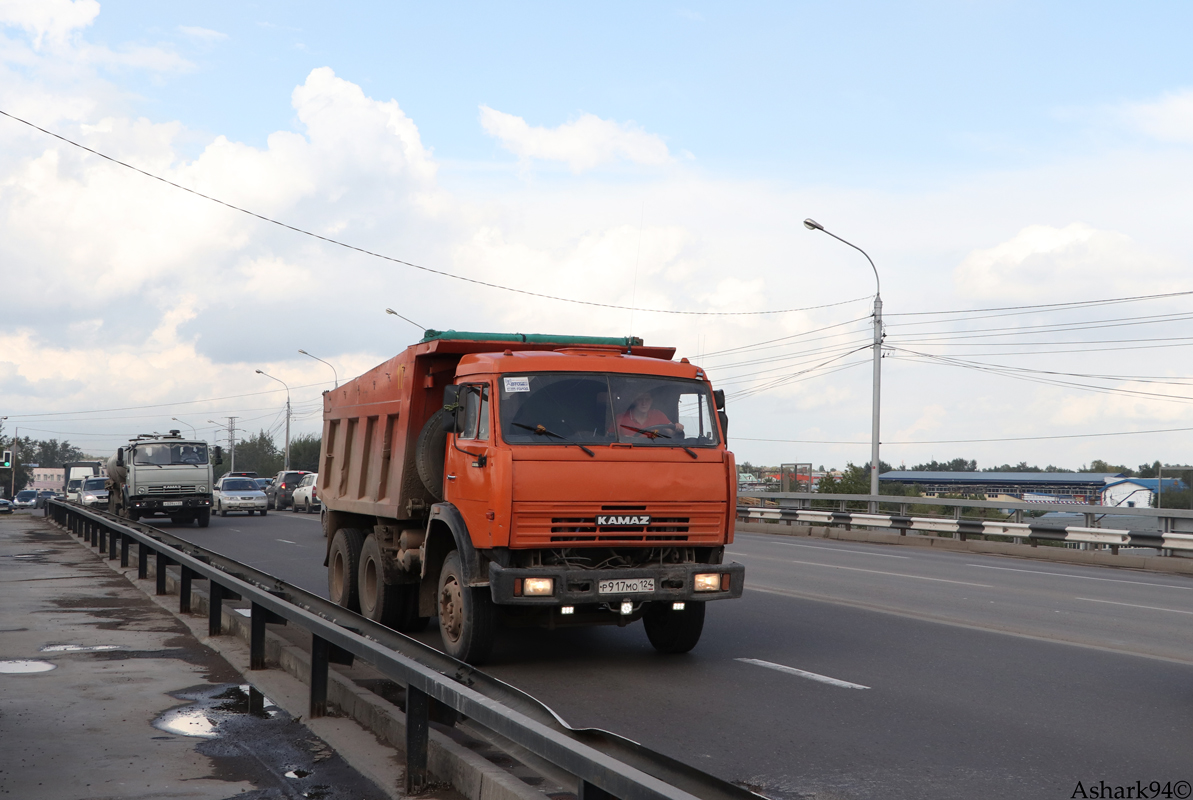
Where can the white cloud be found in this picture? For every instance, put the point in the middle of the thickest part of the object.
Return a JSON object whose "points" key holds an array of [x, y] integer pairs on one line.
{"points": [[1169, 119], [1042, 261], [202, 34], [54, 20], [583, 144]]}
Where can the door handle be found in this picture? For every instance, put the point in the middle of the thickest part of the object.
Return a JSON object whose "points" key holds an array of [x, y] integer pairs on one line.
{"points": [[451, 477]]}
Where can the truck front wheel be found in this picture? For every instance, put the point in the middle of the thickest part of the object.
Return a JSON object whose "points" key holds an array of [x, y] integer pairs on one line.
{"points": [[467, 616], [204, 518], [673, 631], [342, 567], [392, 604]]}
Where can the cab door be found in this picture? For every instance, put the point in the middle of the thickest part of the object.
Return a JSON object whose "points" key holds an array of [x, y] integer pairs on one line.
{"points": [[468, 481]]}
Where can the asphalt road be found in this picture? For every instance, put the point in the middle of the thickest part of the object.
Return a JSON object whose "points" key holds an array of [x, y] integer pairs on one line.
{"points": [[870, 671]]}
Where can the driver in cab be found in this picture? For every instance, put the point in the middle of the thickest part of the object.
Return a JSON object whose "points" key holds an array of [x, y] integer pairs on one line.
{"points": [[642, 421]]}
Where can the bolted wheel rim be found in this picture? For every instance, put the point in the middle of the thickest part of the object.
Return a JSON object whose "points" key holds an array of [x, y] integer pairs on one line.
{"points": [[368, 587], [337, 575], [451, 609]]}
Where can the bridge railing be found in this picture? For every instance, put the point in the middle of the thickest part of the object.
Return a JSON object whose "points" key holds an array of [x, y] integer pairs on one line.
{"points": [[1173, 527], [604, 764]]}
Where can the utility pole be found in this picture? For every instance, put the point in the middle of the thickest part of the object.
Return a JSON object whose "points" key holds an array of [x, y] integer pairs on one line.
{"points": [[279, 380], [16, 443], [231, 439]]}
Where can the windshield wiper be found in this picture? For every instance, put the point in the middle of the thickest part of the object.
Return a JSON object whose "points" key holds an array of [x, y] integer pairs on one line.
{"points": [[647, 432], [539, 430]]}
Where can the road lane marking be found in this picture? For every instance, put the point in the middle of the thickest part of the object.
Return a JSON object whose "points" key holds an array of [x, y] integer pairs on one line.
{"points": [[894, 574], [812, 676], [287, 541], [1133, 605], [840, 550], [1082, 577]]}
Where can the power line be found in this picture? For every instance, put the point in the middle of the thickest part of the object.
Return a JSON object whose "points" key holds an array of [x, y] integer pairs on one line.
{"points": [[411, 264], [1074, 304], [160, 405], [972, 441]]}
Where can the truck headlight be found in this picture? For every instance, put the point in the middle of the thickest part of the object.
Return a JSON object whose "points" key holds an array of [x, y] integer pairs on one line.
{"points": [[707, 582], [538, 587]]}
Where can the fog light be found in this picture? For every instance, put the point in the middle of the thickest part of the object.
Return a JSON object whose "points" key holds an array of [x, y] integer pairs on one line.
{"points": [[538, 587], [677, 606], [568, 610], [627, 607], [708, 582]]}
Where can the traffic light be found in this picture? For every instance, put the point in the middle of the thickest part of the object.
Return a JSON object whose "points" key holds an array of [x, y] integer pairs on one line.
{"points": [[7, 459]]}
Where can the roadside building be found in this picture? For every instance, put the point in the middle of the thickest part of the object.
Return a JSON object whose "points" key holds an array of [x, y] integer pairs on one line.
{"points": [[1137, 492], [1042, 487], [47, 478]]}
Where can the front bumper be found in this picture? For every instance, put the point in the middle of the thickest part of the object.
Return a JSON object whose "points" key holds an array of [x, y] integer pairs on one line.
{"points": [[170, 505], [673, 584]]}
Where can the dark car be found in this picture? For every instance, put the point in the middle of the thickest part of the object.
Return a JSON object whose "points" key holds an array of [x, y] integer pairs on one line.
{"points": [[46, 494], [263, 483], [5, 506], [281, 490]]}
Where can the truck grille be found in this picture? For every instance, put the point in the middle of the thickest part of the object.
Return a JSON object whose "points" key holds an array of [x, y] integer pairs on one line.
{"points": [[538, 524], [172, 489]]}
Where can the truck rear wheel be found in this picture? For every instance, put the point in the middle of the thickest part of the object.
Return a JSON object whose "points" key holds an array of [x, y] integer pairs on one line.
{"points": [[673, 631], [467, 616], [342, 567], [392, 604]]}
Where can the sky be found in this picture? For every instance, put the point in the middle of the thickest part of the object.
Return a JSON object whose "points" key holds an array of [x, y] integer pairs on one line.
{"points": [[1011, 164]]}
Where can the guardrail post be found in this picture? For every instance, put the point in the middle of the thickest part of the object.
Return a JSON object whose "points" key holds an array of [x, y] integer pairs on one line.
{"points": [[103, 538], [160, 570], [112, 537], [590, 791], [261, 617], [142, 560], [323, 653], [184, 589], [124, 543], [215, 608], [417, 736]]}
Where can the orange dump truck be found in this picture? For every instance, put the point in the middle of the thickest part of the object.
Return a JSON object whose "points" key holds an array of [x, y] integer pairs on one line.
{"points": [[532, 480]]}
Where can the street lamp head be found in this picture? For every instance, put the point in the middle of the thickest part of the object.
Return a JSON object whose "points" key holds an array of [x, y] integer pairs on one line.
{"points": [[391, 311], [813, 225], [259, 372], [304, 352]]}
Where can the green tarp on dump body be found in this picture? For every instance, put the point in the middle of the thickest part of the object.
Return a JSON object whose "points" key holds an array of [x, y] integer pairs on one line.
{"points": [[532, 338]]}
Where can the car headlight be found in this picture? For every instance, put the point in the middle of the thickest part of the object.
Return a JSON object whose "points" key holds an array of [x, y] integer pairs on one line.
{"points": [[89, 496], [201, 488], [707, 582]]}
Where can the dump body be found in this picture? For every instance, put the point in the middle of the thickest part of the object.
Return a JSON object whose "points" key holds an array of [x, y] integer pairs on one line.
{"points": [[552, 471]]}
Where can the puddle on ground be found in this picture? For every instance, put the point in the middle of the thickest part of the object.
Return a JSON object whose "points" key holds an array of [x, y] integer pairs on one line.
{"points": [[188, 721], [80, 648], [25, 667], [298, 773]]}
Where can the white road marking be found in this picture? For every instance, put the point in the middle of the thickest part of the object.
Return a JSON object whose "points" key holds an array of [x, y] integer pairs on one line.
{"points": [[801, 673], [1082, 577], [894, 574], [1133, 605], [839, 550], [287, 541]]}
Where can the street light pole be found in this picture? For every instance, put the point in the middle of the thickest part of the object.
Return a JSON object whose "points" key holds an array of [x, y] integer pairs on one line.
{"points": [[287, 457], [876, 406], [333, 369], [231, 439], [194, 433]]}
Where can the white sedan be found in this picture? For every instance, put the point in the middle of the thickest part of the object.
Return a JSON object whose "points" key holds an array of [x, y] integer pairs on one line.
{"points": [[238, 494]]}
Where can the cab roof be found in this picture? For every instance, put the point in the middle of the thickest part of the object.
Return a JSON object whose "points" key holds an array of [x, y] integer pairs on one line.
{"points": [[574, 359]]}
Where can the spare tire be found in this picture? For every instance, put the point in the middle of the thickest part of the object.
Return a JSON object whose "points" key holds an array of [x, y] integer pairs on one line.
{"points": [[430, 452]]}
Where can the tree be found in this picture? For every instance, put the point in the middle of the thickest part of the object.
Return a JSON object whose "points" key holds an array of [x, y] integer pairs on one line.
{"points": [[304, 452], [1098, 465], [256, 454], [956, 465]]}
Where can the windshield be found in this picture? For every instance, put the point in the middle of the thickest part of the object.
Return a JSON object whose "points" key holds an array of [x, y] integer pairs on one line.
{"points": [[166, 455], [91, 484], [74, 484], [244, 485], [27, 494], [599, 408]]}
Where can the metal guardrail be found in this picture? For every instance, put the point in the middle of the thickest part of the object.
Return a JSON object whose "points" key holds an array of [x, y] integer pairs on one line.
{"points": [[606, 765], [1176, 525]]}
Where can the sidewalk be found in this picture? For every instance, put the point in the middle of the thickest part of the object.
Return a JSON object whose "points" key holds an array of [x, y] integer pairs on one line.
{"points": [[104, 694]]}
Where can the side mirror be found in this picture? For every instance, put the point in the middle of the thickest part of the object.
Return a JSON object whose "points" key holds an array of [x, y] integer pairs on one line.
{"points": [[718, 398], [451, 404], [721, 415], [120, 456], [219, 455]]}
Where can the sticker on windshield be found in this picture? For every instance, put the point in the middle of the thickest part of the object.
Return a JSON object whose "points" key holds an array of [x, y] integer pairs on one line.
{"points": [[517, 385]]}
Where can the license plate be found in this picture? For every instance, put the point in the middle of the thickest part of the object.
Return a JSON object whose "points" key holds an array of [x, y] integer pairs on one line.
{"points": [[623, 586], [172, 503]]}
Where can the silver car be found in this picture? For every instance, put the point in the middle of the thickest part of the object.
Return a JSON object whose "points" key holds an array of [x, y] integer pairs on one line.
{"points": [[238, 494], [94, 492]]}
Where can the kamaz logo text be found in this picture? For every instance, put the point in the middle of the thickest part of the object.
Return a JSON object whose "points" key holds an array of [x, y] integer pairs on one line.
{"points": [[613, 520]]}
